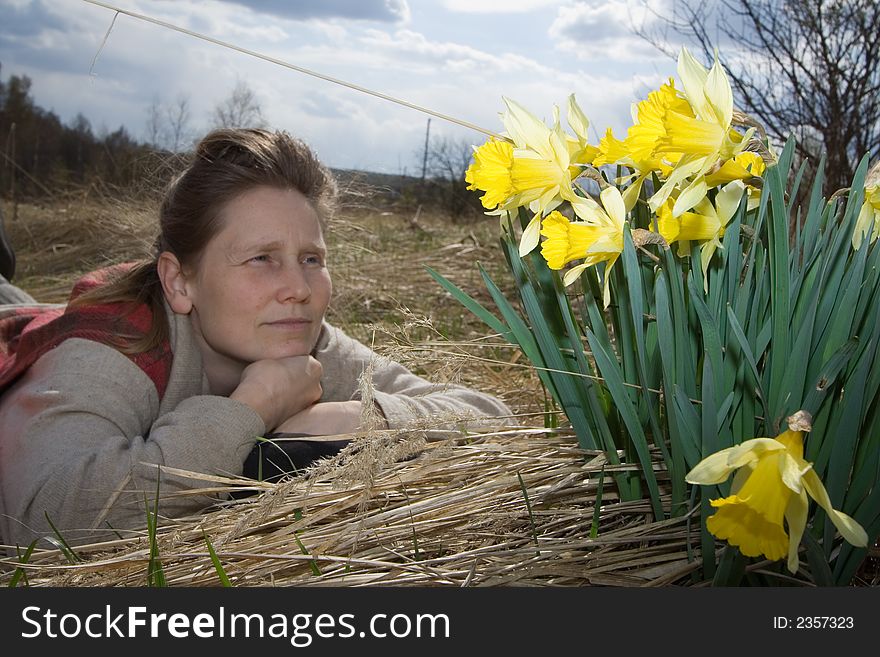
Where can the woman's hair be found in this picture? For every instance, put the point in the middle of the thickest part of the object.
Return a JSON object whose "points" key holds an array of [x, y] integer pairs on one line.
{"points": [[226, 163]]}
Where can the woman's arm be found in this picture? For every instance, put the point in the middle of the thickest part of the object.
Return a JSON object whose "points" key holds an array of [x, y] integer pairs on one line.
{"points": [[401, 396], [81, 440]]}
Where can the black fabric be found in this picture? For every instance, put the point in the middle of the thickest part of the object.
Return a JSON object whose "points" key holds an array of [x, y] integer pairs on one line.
{"points": [[7, 255], [287, 453]]}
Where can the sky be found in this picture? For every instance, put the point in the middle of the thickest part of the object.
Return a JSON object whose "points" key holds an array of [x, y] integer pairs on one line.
{"points": [[457, 57]]}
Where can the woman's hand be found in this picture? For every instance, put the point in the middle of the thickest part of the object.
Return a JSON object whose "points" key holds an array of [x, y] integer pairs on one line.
{"points": [[325, 419], [279, 389]]}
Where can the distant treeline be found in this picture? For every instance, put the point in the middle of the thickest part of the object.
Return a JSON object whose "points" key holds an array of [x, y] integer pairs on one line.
{"points": [[41, 156]]}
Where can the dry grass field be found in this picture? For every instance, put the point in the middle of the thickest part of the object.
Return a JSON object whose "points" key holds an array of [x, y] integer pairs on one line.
{"points": [[517, 506]]}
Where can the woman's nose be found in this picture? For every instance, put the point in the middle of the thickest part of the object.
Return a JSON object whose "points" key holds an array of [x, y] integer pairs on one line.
{"points": [[294, 285]]}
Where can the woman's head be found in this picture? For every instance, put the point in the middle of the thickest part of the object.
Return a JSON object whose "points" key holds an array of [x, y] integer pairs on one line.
{"points": [[235, 178], [242, 248], [227, 163]]}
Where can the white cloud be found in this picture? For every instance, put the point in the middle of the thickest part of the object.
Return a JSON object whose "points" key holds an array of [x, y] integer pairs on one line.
{"points": [[414, 51], [390, 11], [605, 29], [497, 6]]}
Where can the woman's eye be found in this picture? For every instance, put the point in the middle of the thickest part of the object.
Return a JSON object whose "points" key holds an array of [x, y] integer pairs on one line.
{"points": [[313, 260], [260, 258]]}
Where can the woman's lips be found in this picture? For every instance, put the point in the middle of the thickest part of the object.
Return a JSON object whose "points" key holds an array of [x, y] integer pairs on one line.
{"points": [[291, 324]]}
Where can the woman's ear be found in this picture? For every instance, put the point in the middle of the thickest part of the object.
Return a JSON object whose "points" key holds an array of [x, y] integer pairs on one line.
{"points": [[174, 283]]}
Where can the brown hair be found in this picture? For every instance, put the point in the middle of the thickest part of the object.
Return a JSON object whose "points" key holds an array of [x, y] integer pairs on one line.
{"points": [[226, 163]]}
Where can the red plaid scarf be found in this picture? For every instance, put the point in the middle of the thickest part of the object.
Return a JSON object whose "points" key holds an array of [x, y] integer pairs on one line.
{"points": [[32, 331]]}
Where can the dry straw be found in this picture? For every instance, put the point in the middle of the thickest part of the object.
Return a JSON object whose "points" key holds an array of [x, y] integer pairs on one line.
{"points": [[419, 508]]}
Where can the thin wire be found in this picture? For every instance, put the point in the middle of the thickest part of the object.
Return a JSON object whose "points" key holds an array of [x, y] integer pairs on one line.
{"points": [[103, 43], [294, 67]]}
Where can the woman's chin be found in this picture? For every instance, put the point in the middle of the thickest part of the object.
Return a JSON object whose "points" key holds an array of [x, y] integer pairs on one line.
{"points": [[289, 350]]}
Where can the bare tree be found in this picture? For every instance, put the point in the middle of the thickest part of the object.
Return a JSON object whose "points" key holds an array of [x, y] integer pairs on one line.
{"points": [[155, 124], [178, 122], [804, 67], [168, 126], [446, 160], [240, 109]]}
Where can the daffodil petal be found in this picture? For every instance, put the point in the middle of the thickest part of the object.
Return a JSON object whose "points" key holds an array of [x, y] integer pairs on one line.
{"points": [[707, 250], [573, 274], [719, 93], [606, 287], [796, 516], [686, 166], [577, 119], [614, 205], [740, 477], [585, 208], [693, 78], [728, 199], [864, 224], [690, 196], [852, 531], [631, 195], [793, 471], [531, 236], [716, 467], [560, 149], [526, 130]]}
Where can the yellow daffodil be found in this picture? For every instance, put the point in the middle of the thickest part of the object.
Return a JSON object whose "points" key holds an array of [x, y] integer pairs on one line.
{"points": [[541, 172], [649, 126], [599, 239], [705, 224], [637, 150], [536, 170], [745, 166], [868, 223], [771, 485], [490, 172], [748, 167], [703, 136]]}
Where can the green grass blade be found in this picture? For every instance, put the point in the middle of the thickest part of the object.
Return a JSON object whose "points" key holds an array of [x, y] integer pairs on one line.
{"points": [[155, 571], [746, 351], [825, 380], [22, 559], [819, 568], [667, 346], [731, 567], [520, 334], [473, 306], [59, 542], [633, 276], [778, 251], [689, 421], [221, 573], [711, 339], [549, 334], [610, 370], [312, 563]]}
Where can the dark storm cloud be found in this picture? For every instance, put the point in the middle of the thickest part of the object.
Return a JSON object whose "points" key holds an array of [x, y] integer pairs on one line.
{"points": [[27, 21], [21, 31], [384, 11]]}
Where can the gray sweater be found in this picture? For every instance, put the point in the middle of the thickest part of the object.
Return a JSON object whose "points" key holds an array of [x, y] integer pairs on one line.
{"points": [[83, 430]]}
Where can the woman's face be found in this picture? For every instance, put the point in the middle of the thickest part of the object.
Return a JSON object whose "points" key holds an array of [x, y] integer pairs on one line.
{"points": [[262, 286]]}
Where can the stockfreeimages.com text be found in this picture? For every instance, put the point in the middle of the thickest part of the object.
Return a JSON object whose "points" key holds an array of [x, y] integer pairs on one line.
{"points": [[300, 629]]}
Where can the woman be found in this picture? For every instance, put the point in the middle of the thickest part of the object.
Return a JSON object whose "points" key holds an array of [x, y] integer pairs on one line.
{"points": [[184, 360]]}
